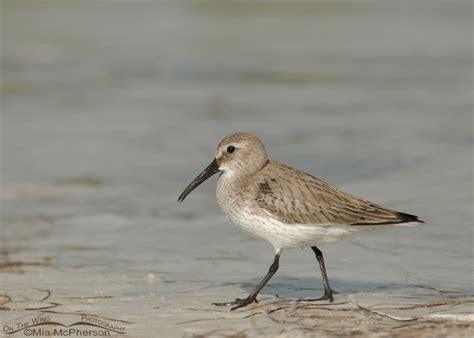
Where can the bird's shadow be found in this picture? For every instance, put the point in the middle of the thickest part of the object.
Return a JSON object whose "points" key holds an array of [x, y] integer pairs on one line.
{"points": [[308, 287]]}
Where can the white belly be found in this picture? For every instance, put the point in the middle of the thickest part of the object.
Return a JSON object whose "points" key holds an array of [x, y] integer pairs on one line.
{"points": [[283, 236]]}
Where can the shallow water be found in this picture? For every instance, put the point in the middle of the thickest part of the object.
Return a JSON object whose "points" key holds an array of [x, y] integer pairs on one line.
{"points": [[108, 112]]}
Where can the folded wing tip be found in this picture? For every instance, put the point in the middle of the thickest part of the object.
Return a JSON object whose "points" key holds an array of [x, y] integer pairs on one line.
{"points": [[407, 218]]}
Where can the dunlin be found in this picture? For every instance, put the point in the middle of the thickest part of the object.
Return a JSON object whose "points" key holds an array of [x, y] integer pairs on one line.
{"points": [[286, 206]]}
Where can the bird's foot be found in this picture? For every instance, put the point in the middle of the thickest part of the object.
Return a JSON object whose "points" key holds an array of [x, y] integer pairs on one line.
{"points": [[238, 302], [328, 295]]}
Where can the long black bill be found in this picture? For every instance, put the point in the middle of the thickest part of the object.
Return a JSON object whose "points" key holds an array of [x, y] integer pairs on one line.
{"points": [[206, 173]]}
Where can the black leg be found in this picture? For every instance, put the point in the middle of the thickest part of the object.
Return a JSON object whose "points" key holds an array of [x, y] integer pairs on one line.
{"points": [[328, 292], [253, 296]]}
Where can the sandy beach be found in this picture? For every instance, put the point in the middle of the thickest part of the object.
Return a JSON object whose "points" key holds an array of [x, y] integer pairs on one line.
{"points": [[109, 109]]}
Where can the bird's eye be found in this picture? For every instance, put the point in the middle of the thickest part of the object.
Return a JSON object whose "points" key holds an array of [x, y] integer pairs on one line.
{"points": [[230, 149]]}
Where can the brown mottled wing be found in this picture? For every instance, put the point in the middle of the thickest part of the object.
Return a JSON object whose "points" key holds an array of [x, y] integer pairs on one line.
{"points": [[293, 196]]}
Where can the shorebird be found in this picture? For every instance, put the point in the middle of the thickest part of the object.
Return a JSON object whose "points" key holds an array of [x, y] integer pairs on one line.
{"points": [[285, 206]]}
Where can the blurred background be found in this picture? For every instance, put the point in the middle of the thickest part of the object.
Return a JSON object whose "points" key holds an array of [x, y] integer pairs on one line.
{"points": [[110, 108]]}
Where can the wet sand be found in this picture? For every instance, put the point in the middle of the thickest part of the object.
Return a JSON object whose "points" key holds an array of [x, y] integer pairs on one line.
{"points": [[108, 112]]}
